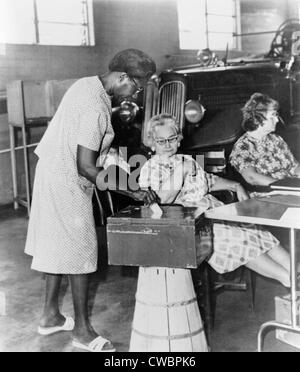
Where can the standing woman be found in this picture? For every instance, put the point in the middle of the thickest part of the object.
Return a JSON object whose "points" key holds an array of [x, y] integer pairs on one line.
{"points": [[260, 155], [61, 234]]}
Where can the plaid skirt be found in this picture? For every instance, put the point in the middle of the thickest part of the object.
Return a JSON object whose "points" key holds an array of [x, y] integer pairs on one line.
{"points": [[235, 244]]}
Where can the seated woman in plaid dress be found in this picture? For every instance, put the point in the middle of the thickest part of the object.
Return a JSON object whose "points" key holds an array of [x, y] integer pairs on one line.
{"points": [[179, 179]]}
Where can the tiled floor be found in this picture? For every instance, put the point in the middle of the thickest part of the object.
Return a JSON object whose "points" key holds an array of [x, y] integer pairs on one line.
{"points": [[111, 303]]}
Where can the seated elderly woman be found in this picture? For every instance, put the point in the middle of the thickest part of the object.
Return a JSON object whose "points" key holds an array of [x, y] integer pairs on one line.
{"points": [[260, 155], [179, 179]]}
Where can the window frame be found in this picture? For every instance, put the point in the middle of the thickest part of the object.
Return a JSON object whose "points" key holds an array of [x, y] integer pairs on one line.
{"points": [[237, 21], [88, 23]]}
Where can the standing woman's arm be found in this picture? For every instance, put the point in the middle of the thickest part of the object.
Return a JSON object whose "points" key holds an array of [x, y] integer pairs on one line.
{"points": [[86, 166]]}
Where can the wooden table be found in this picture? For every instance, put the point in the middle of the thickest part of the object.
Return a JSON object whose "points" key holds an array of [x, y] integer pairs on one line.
{"points": [[267, 211]]}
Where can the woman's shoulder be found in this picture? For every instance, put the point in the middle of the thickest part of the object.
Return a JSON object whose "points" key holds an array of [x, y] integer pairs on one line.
{"points": [[242, 144], [93, 94], [242, 140], [275, 137], [278, 142], [86, 82]]}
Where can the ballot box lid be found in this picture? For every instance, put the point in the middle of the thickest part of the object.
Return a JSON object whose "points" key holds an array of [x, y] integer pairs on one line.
{"points": [[172, 215]]}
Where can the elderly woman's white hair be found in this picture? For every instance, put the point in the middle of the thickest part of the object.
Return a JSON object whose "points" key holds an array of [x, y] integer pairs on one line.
{"points": [[160, 121]]}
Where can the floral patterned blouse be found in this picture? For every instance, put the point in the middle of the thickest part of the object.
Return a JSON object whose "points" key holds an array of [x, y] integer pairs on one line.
{"points": [[197, 183], [269, 156]]}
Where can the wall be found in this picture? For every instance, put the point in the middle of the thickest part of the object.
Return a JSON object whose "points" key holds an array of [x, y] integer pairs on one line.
{"points": [[119, 24], [262, 16], [150, 25], [256, 16]]}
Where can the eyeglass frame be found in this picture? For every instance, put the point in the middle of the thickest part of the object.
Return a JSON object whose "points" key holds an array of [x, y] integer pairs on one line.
{"points": [[138, 89], [275, 114], [163, 142]]}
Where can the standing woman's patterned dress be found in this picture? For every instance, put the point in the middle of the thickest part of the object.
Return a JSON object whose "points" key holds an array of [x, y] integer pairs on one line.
{"points": [[61, 234], [233, 244]]}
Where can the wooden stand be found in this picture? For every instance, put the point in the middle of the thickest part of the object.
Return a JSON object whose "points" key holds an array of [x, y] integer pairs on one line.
{"points": [[30, 104], [20, 116], [166, 317]]}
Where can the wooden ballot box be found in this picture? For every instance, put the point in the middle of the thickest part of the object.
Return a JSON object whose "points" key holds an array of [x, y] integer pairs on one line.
{"points": [[135, 238]]}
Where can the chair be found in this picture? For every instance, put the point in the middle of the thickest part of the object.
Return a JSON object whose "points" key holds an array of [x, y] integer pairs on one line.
{"points": [[26, 109], [30, 104], [208, 283]]}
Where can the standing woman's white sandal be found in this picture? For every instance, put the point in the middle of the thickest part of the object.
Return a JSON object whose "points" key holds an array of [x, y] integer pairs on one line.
{"points": [[66, 327], [96, 346]]}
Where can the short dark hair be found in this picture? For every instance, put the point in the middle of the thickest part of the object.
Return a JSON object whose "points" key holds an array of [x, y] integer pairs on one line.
{"points": [[255, 110], [134, 62]]}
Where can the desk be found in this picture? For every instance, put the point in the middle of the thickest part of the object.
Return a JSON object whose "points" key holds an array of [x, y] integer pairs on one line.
{"points": [[269, 213]]}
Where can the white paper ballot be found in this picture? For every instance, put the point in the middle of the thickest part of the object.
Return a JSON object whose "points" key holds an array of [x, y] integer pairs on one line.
{"points": [[291, 214], [113, 158], [156, 211], [199, 211]]}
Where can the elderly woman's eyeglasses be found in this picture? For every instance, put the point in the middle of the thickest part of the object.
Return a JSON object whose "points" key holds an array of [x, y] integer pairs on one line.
{"points": [[163, 142]]}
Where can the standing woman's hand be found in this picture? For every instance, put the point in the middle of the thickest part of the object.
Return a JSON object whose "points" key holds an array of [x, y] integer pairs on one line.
{"points": [[241, 193], [146, 196]]}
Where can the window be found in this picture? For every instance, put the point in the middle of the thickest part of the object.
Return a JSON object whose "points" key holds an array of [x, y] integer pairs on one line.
{"points": [[208, 24], [47, 22]]}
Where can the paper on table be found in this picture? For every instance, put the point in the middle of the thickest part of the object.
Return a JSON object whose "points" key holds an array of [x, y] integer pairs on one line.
{"points": [[113, 158], [156, 211], [291, 214], [284, 192], [200, 210]]}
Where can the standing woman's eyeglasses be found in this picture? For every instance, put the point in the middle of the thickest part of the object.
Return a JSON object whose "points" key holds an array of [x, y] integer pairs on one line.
{"points": [[137, 87]]}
